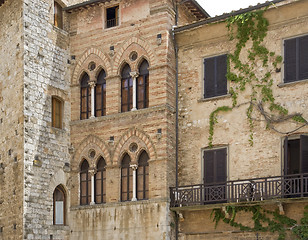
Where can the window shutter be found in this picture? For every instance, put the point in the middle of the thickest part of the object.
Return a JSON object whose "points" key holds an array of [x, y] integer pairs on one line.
{"points": [[303, 58], [221, 71], [290, 60], [221, 165], [285, 156], [208, 158], [304, 153], [209, 77]]}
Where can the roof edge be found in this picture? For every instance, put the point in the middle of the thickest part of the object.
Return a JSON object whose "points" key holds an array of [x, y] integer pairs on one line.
{"points": [[224, 16], [83, 4]]}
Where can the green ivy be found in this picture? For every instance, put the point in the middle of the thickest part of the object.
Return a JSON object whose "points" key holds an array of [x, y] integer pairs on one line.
{"points": [[263, 221], [251, 27]]}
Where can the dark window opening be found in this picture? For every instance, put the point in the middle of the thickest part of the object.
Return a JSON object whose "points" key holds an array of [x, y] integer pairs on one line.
{"points": [[100, 95], [85, 97], [143, 86], [215, 81], [112, 17], [126, 179], [143, 177], [85, 184], [126, 89], [100, 181]]}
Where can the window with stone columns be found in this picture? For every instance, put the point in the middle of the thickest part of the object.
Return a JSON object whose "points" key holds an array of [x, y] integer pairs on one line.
{"points": [[100, 94], [58, 15], [126, 179], [143, 86], [85, 97], [100, 181], [143, 176], [59, 201], [126, 89], [85, 183]]}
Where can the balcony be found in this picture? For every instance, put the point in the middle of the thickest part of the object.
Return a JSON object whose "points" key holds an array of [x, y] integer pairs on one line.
{"points": [[112, 22], [247, 190]]}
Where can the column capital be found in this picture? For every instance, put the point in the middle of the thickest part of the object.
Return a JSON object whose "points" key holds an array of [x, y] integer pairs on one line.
{"points": [[92, 84], [134, 167], [134, 74], [92, 172]]}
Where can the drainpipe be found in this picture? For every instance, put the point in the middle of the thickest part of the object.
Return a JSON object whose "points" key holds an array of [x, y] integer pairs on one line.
{"points": [[176, 118]]}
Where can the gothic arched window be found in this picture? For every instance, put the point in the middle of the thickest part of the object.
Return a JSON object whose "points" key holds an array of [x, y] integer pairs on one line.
{"points": [[126, 179], [143, 176], [100, 181], [59, 201], [100, 94], [126, 89], [85, 97], [85, 183], [143, 86]]}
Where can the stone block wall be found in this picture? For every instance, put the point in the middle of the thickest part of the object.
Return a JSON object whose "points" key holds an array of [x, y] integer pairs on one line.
{"points": [[11, 121], [45, 148]]}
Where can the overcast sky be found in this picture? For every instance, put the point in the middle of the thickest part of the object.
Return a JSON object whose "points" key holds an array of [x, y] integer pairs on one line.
{"points": [[218, 7]]}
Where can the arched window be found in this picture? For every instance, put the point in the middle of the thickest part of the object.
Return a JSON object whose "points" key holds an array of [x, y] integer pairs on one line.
{"points": [[100, 95], [143, 176], [59, 201], [126, 89], [143, 86], [126, 179], [85, 183], [85, 97], [58, 15], [100, 181]]}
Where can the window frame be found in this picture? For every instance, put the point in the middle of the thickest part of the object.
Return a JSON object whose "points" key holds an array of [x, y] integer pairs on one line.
{"points": [[87, 96], [144, 175], [129, 81], [204, 97], [57, 123], [102, 180], [87, 195], [62, 190], [144, 86], [117, 17], [297, 67], [129, 179], [103, 94], [58, 18]]}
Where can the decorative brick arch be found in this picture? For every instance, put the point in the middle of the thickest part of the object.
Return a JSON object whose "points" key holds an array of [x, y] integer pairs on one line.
{"points": [[91, 142], [79, 69], [133, 132], [133, 40]]}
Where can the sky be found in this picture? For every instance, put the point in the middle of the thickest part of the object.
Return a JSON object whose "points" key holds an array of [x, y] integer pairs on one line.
{"points": [[218, 7]]}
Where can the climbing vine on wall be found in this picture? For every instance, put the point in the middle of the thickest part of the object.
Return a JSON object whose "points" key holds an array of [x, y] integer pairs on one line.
{"points": [[253, 72], [263, 221]]}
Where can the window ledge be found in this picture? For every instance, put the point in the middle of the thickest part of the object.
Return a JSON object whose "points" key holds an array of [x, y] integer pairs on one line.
{"points": [[59, 227], [283, 84], [228, 95]]}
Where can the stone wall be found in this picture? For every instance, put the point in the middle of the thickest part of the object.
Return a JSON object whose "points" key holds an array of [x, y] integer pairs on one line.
{"points": [[11, 121], [46, 148]]}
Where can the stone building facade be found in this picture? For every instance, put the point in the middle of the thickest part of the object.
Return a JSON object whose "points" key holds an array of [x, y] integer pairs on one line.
{"points": [[232, 172], [87, 120]]}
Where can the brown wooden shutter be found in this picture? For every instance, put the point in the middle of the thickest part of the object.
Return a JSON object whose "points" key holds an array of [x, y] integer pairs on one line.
{"points": [[303, 58], [304, 153], [208, 158], [285, 157], [209, 77], [290, 60], [221, 71], [221, 165]]}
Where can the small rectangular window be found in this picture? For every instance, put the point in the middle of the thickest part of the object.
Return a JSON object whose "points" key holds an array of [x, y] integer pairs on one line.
{"points": [[58, 15], [215, 81], [57, 108], [112, 17], [296, 59]]}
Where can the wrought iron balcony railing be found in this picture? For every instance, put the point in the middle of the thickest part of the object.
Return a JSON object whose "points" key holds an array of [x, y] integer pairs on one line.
{"points": [[257, 189], [112, 22]]}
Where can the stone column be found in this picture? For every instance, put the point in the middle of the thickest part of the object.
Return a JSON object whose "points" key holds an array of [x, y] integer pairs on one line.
{"points": [[134, 75], [92, 85], [134, 168], [92, 174]]}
